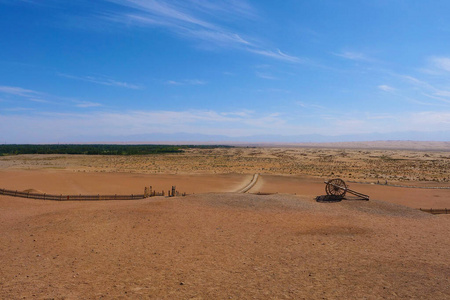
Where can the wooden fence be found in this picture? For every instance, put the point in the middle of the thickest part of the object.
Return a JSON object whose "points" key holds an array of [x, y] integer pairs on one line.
{"points": [[403, 186], [436, 211], [148, 192], [70, 197]]}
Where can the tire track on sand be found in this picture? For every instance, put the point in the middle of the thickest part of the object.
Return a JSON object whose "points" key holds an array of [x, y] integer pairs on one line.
{"points": [[250, 185]]}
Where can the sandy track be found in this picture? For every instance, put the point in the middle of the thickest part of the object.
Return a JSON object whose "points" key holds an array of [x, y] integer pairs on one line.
{"points": [[250, 185], [221, 246]]}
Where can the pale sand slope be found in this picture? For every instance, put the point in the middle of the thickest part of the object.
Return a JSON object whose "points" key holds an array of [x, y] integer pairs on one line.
{"points": [[311, 187], [222, 246], [66, 182]]}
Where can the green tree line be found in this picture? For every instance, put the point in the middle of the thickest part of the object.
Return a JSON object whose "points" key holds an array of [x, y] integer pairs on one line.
{"points": [[93, 149]]}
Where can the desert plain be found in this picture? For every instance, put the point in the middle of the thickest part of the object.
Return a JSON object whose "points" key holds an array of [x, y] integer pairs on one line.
{"points": [[272, 242]]}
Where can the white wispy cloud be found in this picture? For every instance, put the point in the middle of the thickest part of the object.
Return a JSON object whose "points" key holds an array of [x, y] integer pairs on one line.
{"points": [[356, 56], [29, 95], [242, 114], [425, 121], [277, 55], [17, 109], [229, 7], [433, 118], [386, 88], [427, 89], [83, 126], [86, 104], [265, 76], [440, 63], [97, 123], [310, 105], [186, 82], [44, 98], [38, 100], [18, 91], [195, 19], [178, 16], [381, 116], [103, 81]]}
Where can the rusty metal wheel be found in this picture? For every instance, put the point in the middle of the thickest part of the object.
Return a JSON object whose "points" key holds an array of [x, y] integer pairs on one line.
{"points": [[336, 187]]}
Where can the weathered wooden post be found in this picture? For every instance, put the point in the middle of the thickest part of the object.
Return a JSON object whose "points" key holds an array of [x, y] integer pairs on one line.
{"points": [[173, 190]]}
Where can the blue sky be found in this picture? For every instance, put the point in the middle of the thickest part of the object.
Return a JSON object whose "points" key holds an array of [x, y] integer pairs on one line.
{"points": [[126, 70]]}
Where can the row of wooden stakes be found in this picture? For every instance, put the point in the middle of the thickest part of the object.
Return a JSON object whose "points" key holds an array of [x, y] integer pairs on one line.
{"points": [[149, 192]]}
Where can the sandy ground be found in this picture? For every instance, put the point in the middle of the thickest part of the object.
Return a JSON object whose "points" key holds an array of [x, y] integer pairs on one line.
{"points": [[311, 187], [222, 246], [403, 166], [216, 244], [62, 182]]}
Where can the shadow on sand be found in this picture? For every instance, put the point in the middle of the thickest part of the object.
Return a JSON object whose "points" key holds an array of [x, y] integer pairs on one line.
{"points": [[337, 198]]}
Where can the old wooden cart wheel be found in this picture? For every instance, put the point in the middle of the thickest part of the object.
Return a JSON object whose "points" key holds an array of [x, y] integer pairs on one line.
{"points": [[336, 187]]}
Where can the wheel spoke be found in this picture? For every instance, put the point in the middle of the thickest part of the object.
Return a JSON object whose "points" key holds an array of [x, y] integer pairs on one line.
{"points": [[336, 187]]}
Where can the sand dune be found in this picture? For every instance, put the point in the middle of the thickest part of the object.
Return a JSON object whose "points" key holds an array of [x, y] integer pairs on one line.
{"points": [[61, 182], [221, 246]]}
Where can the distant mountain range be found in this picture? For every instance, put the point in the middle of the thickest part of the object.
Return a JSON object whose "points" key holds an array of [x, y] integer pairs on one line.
{"points": [[283, 139]]}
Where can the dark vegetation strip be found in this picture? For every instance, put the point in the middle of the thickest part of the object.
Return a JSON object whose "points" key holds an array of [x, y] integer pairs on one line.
{"points": [[97, 149]]}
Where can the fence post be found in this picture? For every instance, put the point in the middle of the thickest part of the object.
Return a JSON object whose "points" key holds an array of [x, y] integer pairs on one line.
{"points": [[150, 191], [44, 196], [173, 190]]}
